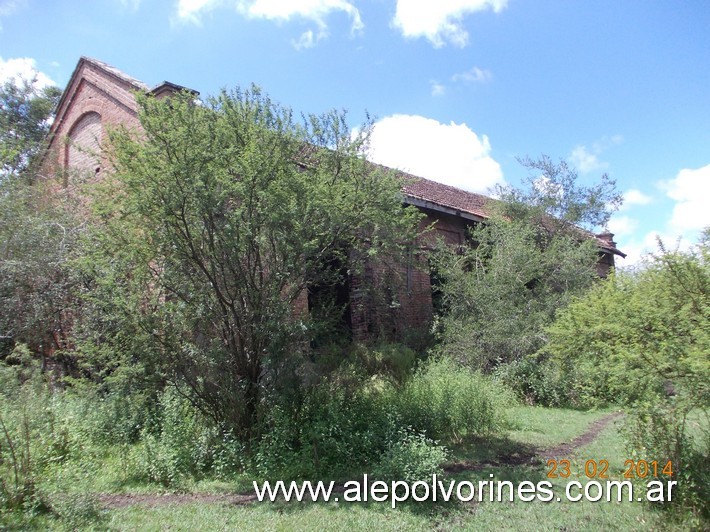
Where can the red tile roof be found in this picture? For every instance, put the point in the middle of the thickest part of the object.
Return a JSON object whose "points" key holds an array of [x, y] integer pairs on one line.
{"points": [[420, 191], [445, 195]]}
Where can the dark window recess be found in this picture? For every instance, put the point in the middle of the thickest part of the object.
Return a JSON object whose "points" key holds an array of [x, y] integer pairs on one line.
{"points": [[329, 307], [437, 296]]}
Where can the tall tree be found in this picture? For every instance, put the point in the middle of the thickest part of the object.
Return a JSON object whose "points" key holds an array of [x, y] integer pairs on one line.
{"points": [[218, 219], [528, 260], [37, 232], [641, 339], [25, 113]]}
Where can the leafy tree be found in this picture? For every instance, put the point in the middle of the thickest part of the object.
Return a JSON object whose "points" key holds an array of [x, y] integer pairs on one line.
{"points": [[37, 230], [551, 189], [642, 339], [218, 219], [24, 123], [527, 261], [38, 237]]}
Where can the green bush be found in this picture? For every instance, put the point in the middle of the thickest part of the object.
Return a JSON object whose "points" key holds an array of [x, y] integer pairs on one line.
{"points": [[181, 443], [447, 402], [332, 432], [76, 510], [642, 339], [538, 381], [31, 435], [660, 431], [374, 424], [390, 360], [410, 456]]}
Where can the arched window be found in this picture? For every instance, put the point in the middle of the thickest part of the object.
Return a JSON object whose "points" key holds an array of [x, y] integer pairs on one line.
{"points": [[83, 154]]}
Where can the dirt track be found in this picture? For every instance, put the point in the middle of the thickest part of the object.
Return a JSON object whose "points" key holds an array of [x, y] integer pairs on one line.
{"points": [[538, 456]]}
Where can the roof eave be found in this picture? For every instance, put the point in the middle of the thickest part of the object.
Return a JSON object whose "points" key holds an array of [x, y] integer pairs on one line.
{"points": [[426, 204]]}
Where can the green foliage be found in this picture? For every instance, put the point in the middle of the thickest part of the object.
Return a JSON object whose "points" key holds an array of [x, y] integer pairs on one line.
{"points": [[553, 189], [410, 456], [501, 295], [331, 433], [527, 261], [644, 332], [30, 437], [535, 382], [351, 423], [215, 224], [665, 431], [24, 123], [38, 238], [180, 443], [76, 510], [388, 360], [448, 402], [643, 338]]}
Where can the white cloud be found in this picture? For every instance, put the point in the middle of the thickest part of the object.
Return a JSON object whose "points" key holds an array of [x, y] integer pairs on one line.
{"points": [[623, 225], [439, 21], [635, 197], [584, 160], [23, 68], [279, 10], [637, 249], [437, 89], [475, 75], [306, 40], [191, 10], [690, 189], [314, 10], [689, 214], [587, 159], [131, 5], [10, 7], [452, 154]]}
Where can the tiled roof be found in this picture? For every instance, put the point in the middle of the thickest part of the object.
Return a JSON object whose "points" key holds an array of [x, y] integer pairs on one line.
{"points": [[423, 191], [445, 195]]}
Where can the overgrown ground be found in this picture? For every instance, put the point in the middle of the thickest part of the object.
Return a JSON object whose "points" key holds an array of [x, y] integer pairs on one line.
{"points": [[100, 497]]}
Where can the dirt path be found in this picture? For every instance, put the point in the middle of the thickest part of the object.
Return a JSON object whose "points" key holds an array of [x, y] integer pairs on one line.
{"points": [[538, 456], [112, 501], [535, 456]]}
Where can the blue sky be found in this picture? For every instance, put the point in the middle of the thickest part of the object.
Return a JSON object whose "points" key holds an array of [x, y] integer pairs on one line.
{"points": [[460, 88]]}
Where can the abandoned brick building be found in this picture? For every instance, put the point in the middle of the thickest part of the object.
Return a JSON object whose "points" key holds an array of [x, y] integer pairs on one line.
{"points": [[98, 95]]}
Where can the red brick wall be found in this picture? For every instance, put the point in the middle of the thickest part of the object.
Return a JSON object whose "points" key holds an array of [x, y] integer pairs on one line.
{"points": [[94, 101], [403, 311]]}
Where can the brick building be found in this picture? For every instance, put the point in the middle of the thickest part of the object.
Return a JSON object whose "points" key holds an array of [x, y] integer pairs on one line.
{"points": [[98, 94]]}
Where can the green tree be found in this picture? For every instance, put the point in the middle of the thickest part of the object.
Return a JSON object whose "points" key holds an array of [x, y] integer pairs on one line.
{"points": [[527, 261], [37, 230], [642, 339], [218, 219], [25, 113], [39, 236]]}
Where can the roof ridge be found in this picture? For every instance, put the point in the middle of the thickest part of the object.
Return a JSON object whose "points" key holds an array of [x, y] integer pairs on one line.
{"points": [[116, 72]]}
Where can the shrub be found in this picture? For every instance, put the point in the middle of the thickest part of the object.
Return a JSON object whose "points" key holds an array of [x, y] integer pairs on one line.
{"points": [[31, 436], [662, 432], [642, 338], [182, 443], [446, 401], [373, 424], [390, 360], [331, 432], [76, 510], [410, 456]]}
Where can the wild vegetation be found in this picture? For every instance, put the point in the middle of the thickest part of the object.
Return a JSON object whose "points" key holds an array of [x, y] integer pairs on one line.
{"points": [[158, 341]]}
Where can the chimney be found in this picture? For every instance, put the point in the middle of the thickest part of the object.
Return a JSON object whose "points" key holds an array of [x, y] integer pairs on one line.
{"points": [[607, 238]]}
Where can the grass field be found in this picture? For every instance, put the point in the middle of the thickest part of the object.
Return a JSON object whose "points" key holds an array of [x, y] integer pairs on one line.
{"points": [[92, 499]]}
